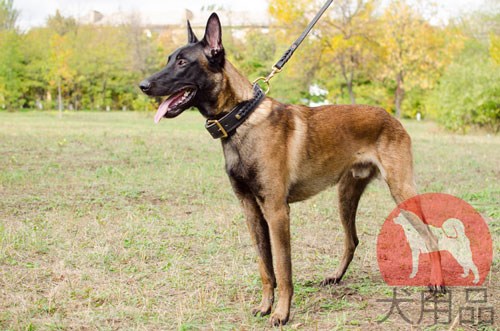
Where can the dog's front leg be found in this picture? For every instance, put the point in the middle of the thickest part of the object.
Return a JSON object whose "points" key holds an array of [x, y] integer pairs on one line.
{"points": [[277, 215], [259, 231]]}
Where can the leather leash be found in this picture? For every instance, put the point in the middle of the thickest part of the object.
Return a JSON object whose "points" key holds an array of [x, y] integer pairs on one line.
{"points": [[289, 52]]}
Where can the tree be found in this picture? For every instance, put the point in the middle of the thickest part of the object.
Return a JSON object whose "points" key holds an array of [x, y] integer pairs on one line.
{"points": [[415, 52], [495, 47], [63, 29], [11, 69], [142, 50], [36, 50], [61, 25], [60, 70], [8, 15], [291, 17], [97, 68], [11, 57], [469, 91], [339, 51], [349, 35]]}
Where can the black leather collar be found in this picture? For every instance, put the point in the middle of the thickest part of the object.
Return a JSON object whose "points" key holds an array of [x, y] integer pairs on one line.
{"points": [[226, 125]]}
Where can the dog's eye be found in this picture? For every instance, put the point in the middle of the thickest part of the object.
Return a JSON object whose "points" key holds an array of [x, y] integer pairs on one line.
{"points": [[181, 62]]}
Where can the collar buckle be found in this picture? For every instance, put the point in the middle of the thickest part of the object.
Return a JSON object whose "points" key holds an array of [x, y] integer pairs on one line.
{"points": [[221, 128], [225, 126]]}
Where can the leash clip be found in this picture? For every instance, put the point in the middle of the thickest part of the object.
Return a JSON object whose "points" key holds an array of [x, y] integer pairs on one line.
{"points": [[289, 52], [268, 78]]}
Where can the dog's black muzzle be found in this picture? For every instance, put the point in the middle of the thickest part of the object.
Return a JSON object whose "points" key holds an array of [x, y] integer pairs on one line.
{"points": [[145, 85]]}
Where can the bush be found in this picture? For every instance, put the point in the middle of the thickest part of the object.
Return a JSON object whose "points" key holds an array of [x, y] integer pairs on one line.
{"points": [[468, 93]]}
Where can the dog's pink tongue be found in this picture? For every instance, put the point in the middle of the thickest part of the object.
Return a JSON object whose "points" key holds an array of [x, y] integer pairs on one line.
{"points": [[162, 110]]}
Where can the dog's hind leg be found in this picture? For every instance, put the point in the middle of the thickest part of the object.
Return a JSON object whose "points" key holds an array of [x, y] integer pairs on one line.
{"points": [[350, 190], [394, 152], [259, 231]]}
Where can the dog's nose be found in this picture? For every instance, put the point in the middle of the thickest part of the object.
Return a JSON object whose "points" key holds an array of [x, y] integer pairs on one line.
{"points": [[145, 85]]}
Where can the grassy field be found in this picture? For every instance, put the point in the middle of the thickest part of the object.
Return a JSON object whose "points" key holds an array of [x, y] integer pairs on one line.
{"points": [[108, 222]]}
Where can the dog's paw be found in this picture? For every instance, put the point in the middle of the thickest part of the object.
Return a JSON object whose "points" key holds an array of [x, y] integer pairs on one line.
{"points": [[330, 281], [278, 318], [437, 289], [261, 310]]}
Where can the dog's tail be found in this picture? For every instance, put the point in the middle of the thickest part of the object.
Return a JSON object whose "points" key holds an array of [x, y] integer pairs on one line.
{"points": [[454, 228]]}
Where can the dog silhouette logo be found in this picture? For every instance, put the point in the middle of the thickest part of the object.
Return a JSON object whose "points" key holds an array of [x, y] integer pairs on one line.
{"points": [[462, 236], [451, 237]]}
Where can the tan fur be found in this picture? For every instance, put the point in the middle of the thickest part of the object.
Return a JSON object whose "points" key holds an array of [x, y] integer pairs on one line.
{"points": [[287, 153], [261, 113], [296, 143], [233, 89]]}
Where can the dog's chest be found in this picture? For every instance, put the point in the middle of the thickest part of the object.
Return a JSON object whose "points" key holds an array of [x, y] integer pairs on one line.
{"points": [[238, 163], [232, 158]]}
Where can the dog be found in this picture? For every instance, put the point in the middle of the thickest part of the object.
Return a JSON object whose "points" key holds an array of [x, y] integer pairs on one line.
{"points": [[450, 237], [285, 153]]}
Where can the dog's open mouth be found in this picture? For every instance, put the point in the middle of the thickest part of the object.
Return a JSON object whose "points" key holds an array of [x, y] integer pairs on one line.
{"points": [[175, 104]]}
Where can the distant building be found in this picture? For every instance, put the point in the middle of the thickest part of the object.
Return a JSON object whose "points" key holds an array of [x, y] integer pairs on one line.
{"points": [[162, 22], [159, 21], [166, 22]]}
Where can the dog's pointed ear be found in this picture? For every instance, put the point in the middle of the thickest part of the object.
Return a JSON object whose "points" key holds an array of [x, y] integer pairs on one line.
{"points": [[191, 36], [213, 38]]}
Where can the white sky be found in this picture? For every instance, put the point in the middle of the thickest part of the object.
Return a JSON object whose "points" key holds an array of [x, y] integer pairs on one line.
{"points": [[35, 12]]}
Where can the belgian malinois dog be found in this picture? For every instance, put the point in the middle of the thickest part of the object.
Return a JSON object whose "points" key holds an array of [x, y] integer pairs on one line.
{"points": [[285, 153]]}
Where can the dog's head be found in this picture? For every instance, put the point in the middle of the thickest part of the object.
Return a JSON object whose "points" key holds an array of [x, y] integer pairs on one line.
{"points": [[193, 74]]}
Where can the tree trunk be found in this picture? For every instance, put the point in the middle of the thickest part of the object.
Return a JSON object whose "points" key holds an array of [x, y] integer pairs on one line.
{"points": [[400, 93], [351, 92], [348, 80], [351, 79], [59, 98]]}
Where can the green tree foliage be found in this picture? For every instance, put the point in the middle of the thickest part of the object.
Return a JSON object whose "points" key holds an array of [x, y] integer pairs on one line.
{"points": [[290, 19], [61, 25], [90, 67], [8, 15], [495, 47], [37, 51], [12, 65], [348, 34], [12, 60], [469, 92], [388, 54], [415, 52]]}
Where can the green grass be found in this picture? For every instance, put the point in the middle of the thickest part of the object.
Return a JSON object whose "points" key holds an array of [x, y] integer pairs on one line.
{"points": [[108, 221]]}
